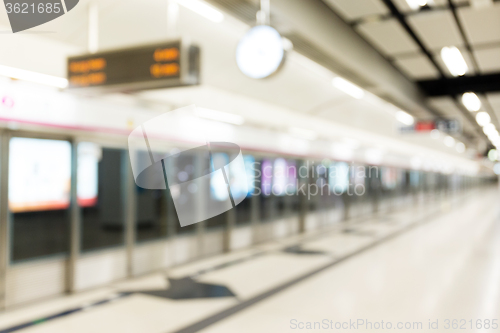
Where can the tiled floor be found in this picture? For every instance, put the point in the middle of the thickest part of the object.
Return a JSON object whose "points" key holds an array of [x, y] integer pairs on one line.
{"points": [[428, 262]]}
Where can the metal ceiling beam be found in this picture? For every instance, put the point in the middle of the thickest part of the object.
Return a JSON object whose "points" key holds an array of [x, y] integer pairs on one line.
{"points": [[459, 85]]}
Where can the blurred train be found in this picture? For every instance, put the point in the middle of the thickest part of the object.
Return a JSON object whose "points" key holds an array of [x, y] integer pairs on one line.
{"points": [[76, 220]]}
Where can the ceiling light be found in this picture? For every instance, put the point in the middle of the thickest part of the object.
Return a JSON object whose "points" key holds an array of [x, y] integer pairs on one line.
{"points": [[435, 134], [496, 169], [404, 118], [494, 135], [203, 9], [460, 147], [493, 155], [303, 133], [416, 4], [348, 87], [454, 60], [220, 116], [22, 74], [489, 129], [471, 101], [483, 118], [449, 141]]}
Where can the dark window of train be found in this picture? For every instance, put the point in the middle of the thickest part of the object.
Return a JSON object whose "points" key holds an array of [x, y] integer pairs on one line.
{"points": [[39, 197], [187, 166], [152, 208], [313, 189], [266, 198], [102, 208], [243, 211]]}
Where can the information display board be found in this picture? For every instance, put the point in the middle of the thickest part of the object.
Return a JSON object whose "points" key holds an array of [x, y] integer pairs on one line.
{"points": [[171, 64]]}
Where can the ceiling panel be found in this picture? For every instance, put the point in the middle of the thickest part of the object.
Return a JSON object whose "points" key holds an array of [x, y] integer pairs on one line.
{"points": [[388, 36], [467, 58], [436, 29], [488, 60], [482, 25], [355, 9], [417, 67]]}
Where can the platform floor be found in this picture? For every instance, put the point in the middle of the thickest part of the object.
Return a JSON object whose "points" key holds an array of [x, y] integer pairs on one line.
{"points": [[416, 267]]}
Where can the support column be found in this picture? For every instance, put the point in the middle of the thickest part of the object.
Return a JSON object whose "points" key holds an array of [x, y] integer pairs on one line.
{"points": [[4, 216], [75, 223]]}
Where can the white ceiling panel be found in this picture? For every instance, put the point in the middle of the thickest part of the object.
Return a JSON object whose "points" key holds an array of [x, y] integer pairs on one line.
{"points": [[488, 60], [467, 58], [417, 67], [355, 9], [482, 25], [436, 29], [388, 36]]}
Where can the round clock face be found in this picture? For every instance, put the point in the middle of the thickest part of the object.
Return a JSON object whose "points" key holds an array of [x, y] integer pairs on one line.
{"points": [[260, 52]]}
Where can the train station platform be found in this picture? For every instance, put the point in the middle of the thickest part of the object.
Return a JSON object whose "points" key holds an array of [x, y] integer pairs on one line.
{"points": [[424, 268]]}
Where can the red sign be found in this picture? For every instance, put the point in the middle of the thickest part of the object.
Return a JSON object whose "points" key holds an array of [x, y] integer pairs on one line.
{"points": [[424, 126]]}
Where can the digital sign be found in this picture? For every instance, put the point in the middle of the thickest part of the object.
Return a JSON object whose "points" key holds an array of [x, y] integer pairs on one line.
{"points": [[450, 126], [170, 64]]}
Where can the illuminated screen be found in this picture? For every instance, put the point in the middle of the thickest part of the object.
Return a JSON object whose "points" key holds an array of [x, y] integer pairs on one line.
{"points": [[250, 172], [39, 174], [291, 177], [267, 177], [89, 155], [238, 180], [339, 177], [359, 175], [414, 178], [389, 178], [280, 178], [218, 186]]}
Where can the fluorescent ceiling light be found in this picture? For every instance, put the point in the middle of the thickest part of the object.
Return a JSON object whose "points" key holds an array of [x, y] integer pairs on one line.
{"points": [[435, 134], [449, 141], [303, 133], [493, 155], [483, 118], [471, 101], [454, 60], [460, 147], [494, 135], [489, 129], [220, 116], [404, 118], [203, 9], [22, 74], [348, 87], [416, 4]]}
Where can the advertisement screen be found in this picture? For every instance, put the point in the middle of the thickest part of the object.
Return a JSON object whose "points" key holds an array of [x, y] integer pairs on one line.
{"points": [[218, 186], [389, 178], [39, 174], [339, 177], [89, 155], [267, 177], [250, 173], [280, 177]]}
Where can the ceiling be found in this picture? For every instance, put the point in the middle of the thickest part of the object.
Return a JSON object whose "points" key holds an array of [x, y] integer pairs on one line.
{"points": [[411, 39], [129, 22]]}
